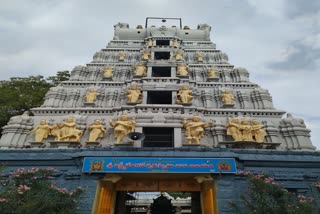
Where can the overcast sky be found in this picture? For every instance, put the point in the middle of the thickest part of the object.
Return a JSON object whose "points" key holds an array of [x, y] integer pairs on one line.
{"points": [[278, 41]]}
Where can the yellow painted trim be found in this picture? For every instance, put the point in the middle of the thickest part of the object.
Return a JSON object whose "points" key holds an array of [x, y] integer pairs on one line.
{"points": [[106, 198], [208, 198], [215, 197], [96, 198]]}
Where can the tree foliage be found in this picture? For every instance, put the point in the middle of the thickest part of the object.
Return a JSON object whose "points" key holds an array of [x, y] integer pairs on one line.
{"points": [[265, 196], [32, 192], [20, 94], [61, 76]]}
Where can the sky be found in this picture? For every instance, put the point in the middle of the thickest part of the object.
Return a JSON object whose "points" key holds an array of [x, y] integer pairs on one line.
{"points": [[277, 41]]}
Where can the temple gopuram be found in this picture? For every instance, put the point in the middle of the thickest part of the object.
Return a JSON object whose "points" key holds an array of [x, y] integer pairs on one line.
{"points": [[160, 122]]}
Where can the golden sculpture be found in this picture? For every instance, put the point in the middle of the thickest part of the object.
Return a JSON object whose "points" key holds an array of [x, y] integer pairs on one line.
{"points": [[149, 42], [121, 56], [233, 129], [184, 95], [69, 131], [55, 131], [139, 27], [212, 72], [41, 131], [134, 95], [182, 70], [96, 131], [194, 129], [146, 55], [199, 57], [246, 130], [227, 97], [122, 127], [258, 131], [175, 43], [91, 96], [140, 70], [178, 55], [107, 72]]}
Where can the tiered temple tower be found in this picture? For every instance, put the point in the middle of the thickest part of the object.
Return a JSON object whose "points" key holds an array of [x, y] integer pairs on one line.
{"points": [[160, 109], [159, 62]]}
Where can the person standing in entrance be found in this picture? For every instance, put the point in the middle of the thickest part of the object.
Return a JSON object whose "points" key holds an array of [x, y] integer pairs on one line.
{"points": [[178, 210]]}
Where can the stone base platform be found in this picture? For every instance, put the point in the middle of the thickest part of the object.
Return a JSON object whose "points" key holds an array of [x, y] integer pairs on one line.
{"points": [[193, 145], [228, 105], [89, 104], [213, 79], [132, 104], [36, 145], [65, 144], [183, 76], [126, 144], [248, 145], [92, 144]]}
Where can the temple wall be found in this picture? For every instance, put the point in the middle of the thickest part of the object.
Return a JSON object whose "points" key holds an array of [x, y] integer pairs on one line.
{"points": [[295, 170]]}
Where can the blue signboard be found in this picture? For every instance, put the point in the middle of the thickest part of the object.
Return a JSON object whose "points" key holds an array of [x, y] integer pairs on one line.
{"points": [[158, 165]]}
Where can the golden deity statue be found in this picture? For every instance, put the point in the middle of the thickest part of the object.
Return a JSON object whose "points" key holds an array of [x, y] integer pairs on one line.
{"points": [[121, 56], [178, 55], [182, 70], [96, 131], [233, 129], [149, 43], [140, 70], [199, 57], [194, 129], [145, 55], [134, 95], [212, 72], [246, 130], [91, 96], [41, 131], [122, 127], [184, 96], [227, 97], [69, 131], [175, 43], [107, 72], [258, 131]]}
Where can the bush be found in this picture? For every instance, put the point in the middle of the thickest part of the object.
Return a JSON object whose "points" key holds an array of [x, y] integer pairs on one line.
{"points": [[32, 192], [265, 196]]}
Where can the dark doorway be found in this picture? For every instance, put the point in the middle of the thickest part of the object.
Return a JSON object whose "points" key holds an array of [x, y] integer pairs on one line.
{"points": [[158, 137], [162, 42], [130, 202], [161, 55], [161, 71], [159, 97]]}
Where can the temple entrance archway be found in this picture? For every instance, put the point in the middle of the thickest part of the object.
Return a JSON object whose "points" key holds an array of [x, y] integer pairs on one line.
{"points": [[119, 194]]}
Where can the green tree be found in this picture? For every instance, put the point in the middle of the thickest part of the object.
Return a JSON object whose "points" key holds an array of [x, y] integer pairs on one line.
{"points": [[61, 76], [20, 94]]}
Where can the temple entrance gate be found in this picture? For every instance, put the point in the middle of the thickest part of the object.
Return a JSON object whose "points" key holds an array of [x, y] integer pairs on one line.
{"points": [[112, 192]]}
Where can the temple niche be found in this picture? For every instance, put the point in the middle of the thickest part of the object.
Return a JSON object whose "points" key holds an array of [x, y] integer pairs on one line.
{"points": [[159, 76]]}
